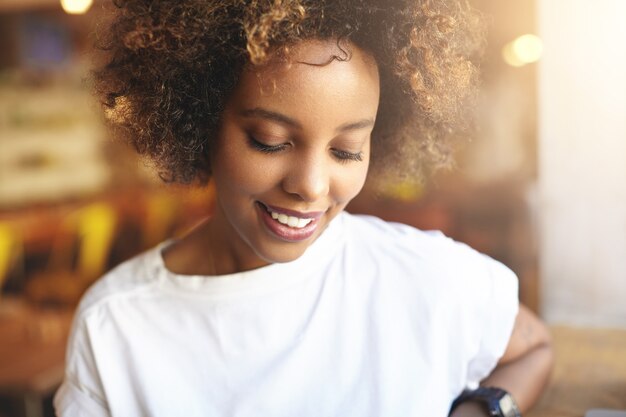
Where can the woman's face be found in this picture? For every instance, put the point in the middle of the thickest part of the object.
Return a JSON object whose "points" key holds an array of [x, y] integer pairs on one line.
{"points": [[293, 150]]}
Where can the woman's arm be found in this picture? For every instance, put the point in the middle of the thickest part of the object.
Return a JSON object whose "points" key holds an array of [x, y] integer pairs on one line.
{"points": [[524, 368]]}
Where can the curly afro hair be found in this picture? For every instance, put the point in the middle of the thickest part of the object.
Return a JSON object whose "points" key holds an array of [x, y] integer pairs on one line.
{"points": [[169, 66]]}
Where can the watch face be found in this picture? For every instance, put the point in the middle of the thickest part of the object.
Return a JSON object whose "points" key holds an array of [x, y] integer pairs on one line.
{"points": [[497, 402], [507, 406]]}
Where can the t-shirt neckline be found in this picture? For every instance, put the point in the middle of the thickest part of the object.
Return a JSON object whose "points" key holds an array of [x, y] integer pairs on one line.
{"points": [[264, 279]]}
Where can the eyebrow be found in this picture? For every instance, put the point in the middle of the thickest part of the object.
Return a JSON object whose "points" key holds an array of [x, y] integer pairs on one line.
{"points": [[288, 121]]}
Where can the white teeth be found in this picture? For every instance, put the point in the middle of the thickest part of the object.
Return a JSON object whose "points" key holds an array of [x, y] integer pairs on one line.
{"points": [[290, 221]]}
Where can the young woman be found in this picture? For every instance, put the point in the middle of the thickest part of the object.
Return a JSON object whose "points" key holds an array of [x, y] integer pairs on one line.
{"points": [[282, 304]]}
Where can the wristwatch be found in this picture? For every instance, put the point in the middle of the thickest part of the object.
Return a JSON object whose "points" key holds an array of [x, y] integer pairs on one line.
{"points": [[497, 402]]}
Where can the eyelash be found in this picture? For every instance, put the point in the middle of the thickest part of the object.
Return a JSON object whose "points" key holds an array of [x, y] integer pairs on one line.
{"points": [[342, 156], [265, 148]]}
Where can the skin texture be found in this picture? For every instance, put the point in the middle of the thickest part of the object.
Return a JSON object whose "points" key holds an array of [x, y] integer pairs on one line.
{"points": [[319, 114]]}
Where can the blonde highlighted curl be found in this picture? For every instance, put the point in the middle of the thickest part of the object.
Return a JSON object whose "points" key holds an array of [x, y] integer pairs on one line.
{"points": [[169, 66]]}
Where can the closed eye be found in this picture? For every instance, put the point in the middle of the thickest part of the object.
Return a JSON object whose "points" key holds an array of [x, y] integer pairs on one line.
{"points": [[341, 155], [260, 146], [345, 156]]}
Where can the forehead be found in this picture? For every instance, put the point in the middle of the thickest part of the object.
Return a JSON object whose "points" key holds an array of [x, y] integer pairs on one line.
{"points": [[313, 76], [318, 52]]}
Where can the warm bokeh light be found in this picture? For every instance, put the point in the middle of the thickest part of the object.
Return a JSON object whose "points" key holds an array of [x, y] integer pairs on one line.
{"points": [[76, 6], [523, 50]]}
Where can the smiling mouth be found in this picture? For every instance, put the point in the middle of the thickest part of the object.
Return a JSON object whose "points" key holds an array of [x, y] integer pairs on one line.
{"points": [[291, 218], [289, 225], [291, 221]]}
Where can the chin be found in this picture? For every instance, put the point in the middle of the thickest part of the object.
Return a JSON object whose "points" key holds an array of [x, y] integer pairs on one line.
{"points": [[283, 254]]}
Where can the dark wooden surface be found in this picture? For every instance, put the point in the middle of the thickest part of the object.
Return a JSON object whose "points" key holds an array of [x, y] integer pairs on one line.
{"points": [[589, 372], [32, 348]]}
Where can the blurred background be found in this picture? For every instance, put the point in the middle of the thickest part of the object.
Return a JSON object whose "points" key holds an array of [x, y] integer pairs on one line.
{"points": [[541, 186]]}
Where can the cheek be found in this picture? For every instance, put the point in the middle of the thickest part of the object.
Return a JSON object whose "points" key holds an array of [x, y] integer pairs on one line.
{"points": [[239, 171], [347, 185]]}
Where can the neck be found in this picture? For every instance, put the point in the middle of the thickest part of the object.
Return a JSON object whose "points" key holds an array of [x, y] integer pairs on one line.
{"points": [[211, 248]]}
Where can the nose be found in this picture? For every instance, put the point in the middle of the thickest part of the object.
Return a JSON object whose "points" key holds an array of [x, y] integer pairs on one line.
{"points": [[308, 178]]}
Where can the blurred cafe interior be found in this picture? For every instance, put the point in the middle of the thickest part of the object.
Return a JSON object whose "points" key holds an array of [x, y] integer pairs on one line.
{"points": [[540, 186]]}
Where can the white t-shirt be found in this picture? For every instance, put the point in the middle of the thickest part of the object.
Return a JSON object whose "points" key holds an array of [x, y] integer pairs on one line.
{"points": [[375, 319]]}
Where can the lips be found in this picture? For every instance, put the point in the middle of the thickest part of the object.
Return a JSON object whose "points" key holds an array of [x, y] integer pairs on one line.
{"points": [[289, 225]]}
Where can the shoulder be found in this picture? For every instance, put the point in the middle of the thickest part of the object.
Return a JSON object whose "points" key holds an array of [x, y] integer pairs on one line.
{"points": [[131, 278], [426, 255], [361, 225], [98, 313], [383, 236]]}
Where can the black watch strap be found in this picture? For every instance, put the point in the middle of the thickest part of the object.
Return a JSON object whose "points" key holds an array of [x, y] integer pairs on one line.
{"points": [[496, 401]]}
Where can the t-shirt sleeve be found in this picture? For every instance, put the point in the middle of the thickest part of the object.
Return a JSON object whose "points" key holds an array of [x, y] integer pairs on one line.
{"points": [[73, 400], [497, 318], [81, 393]]}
